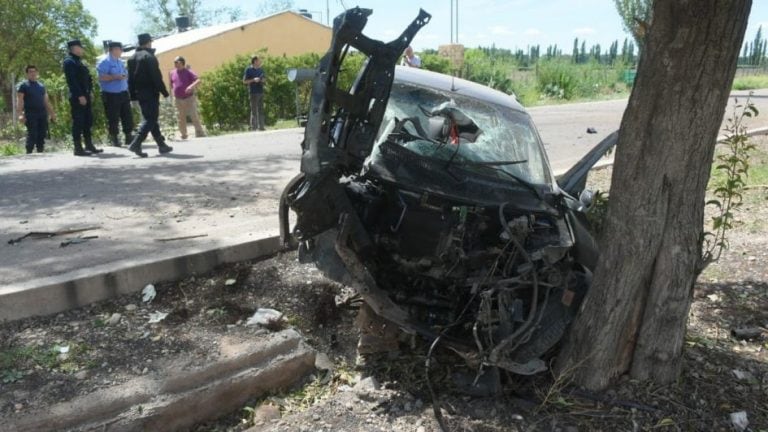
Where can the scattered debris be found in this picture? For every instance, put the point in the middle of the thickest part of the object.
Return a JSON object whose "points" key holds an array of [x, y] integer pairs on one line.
{"points": [[130, 307], [265, 413], [265, 317], [148, 293], [156, 317], [367, 384], [36, 235], [181, 238], [76, 240], [62, 349], [323, 362], [230, 282], [739, 420], [743, 375], [114, 319], [748, 333], [591, 130]]}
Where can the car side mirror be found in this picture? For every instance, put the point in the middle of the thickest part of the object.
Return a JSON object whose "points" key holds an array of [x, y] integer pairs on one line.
{"points": [[587, 198]]}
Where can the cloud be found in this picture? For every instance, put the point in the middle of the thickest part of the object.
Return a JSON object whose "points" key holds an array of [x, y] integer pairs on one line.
{"points": [[501, 30], [584, 31], [533, 32]]}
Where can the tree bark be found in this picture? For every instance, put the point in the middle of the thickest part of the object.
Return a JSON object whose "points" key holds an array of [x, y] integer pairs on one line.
{"points": [[635, 314]]}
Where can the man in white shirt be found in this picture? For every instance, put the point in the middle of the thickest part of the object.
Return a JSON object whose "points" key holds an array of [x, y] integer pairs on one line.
{"points": [[410, 59]]}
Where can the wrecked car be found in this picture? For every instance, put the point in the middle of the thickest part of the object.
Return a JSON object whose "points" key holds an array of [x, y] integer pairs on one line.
{"points": [[434, 199]]}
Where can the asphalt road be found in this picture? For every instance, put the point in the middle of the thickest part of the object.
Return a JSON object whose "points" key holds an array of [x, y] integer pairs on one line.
{"points": [[223, 190]]}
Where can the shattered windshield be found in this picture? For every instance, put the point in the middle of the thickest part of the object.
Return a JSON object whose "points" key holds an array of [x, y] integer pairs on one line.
{"points": [[507, 139]]}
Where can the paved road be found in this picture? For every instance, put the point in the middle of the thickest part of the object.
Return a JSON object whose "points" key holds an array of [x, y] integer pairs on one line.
{"points": [[224, 188]]}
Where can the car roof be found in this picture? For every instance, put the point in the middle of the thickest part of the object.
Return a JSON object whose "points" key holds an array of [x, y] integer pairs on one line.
{"points": [[448, 83]]}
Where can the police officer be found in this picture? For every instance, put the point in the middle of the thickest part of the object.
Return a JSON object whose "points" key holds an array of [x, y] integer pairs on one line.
{"points": [[113, 79], [35, 109], [80, 86], [145, 83]]}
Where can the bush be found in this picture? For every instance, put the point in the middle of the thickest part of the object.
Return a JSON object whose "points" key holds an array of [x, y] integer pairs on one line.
{"points": [[435, 63], [557, 79], [11, 149], [224, 101]]}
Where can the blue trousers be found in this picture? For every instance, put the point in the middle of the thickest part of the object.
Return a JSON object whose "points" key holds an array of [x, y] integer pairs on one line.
{"points": [[37, 129]]}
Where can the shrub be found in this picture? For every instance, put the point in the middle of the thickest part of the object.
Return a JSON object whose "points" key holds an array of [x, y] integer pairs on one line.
{"points": [[557, 79], [435, 63]]}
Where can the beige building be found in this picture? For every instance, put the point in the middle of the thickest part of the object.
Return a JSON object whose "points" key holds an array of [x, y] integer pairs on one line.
{"points": [[283, 33]]}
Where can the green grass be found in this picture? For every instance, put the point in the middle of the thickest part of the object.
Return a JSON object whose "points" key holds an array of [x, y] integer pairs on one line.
{"points": [[15, 360], [750, 82], [10, 149]]}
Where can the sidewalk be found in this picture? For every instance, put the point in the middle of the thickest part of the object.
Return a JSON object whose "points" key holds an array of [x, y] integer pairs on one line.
{"points": [[223, 189]]}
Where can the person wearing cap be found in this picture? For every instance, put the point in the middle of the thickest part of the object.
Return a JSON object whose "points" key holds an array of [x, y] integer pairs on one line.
{"points": [[113, 79], [183, 83], [35, 109], [254, 78], [80, 86], [145, 84]]}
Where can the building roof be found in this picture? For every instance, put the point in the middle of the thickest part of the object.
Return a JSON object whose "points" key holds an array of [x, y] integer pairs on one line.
{"points": [[177, 40]]}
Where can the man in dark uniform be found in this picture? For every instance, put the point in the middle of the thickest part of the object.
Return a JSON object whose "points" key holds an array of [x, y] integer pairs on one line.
{"points": [[145, 83], [35, 109], [113, 79], [80, 86]]}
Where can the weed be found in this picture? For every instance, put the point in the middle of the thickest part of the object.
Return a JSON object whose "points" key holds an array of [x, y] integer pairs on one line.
{"points": [[733, 166], [11, 376], [10, 149]]}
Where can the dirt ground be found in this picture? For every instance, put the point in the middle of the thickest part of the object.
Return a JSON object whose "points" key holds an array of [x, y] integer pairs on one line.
{"points": [[52, 359]]}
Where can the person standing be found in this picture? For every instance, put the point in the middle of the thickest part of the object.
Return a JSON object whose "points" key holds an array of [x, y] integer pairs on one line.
{"points": [[145, 84], [410, 59], [254, 78], [35, 109], [113, 79], [80, 86], [183, 83]]}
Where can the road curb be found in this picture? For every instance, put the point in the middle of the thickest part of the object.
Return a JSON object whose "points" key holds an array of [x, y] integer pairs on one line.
{"points": [[180, 396], [75, 289]]}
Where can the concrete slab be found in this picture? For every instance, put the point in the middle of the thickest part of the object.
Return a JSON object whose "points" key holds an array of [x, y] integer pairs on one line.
{"points": [[54, 294], [181, 395]]}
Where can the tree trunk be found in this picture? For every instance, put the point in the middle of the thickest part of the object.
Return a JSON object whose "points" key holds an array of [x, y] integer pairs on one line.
{"points": [[635, 314]]}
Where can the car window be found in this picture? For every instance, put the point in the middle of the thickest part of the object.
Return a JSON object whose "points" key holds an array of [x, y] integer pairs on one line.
{"points": [[507, 134]]}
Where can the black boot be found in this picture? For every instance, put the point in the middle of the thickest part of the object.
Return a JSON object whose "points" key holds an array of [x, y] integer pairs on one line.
{"points": [[113, 141], [90, 147], [164, 148], [79, 150], [128, 138], [136, 148]]}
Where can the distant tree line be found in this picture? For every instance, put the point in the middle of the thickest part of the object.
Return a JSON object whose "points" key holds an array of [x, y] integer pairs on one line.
{"points": [[754, 53], [530, 56]]}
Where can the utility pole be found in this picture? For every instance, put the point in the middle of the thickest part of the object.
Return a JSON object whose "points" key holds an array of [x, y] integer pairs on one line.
{"points": [[327, 14], [454, 21]]}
